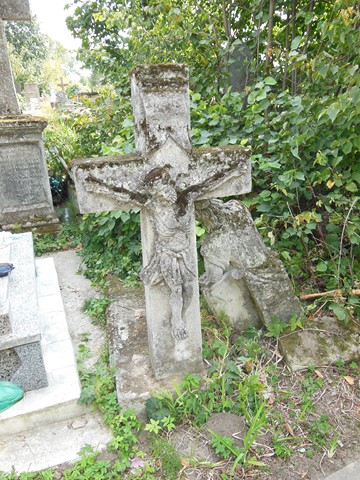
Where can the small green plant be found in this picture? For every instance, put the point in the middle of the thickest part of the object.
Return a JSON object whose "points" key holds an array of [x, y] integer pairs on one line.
{"points": [[320, 431], [223, 446], [96, 309], [280, 448], [275, 328], [330, 451], [153, 427], [68, 237], [168, 457]]}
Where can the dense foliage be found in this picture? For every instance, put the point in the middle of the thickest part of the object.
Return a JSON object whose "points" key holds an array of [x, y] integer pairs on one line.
{"points": [[35, 57], [299, 112]]}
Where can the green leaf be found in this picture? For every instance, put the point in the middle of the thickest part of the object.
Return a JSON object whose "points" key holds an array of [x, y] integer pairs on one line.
{"points": [[295, 43], [332, 113], [321, 267], [351, 187], [252, 97], [128, 122], [270, 81], [339, 311], [295, 152]]}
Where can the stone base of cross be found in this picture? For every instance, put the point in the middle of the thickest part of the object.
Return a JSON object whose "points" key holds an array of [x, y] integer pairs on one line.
{"points": [[164, 178]]}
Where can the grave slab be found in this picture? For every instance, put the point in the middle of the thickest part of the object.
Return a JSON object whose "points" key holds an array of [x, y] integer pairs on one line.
{"points": [[350, 472], [243, 278], [57, 432], [21, 359], [322, 342], [129, 348], [59, 400]]}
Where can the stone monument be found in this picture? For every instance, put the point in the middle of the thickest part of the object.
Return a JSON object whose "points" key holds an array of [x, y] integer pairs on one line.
{"points": [[238, 69], [164, 178], [32, 96], [25, 197], [243, 278]]}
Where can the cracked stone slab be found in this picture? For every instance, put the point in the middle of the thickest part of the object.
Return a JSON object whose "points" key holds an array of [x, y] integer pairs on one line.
{"points": [[323, 342]]}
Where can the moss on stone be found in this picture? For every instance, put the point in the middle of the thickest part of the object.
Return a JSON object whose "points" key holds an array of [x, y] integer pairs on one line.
{"points": [[90, 163]]}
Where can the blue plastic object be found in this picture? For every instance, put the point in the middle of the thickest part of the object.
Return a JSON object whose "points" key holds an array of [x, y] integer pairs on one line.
{"points": [[9, 394], [5, 269]]}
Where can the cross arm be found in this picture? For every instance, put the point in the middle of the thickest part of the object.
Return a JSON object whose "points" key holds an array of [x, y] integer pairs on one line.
{"points": [[137, 197], [219, 172], [109, 183]]}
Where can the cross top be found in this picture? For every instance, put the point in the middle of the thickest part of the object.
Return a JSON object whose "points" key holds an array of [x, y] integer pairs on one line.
{"points": [[164, 178], [9, 10], [160, 96]]}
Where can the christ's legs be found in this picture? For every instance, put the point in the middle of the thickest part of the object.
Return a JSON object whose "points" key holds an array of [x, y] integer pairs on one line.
{"points": [[187, 295], [179, 330]]}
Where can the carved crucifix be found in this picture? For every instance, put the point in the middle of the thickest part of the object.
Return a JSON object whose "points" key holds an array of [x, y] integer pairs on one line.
{"points": [[9, 10], [164, 178]]}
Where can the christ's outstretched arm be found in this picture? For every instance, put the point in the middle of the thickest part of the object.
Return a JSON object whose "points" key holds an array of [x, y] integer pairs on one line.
{"points": [[194, 191], [137, 197]]}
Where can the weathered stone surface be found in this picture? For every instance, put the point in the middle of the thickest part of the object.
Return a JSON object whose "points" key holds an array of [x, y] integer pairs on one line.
{"points": [[24, 366], [129, 348], [322, 342], [32, 96], [5, 315], [238, 69], [9, 10], [164, 179], [243, 278], [25, 195], [15, 10]]}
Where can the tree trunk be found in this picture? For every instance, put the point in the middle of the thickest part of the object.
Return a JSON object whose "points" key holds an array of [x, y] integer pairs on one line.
{"points": [[308, 30], [287, 49], [269, 46], [293, 35]]}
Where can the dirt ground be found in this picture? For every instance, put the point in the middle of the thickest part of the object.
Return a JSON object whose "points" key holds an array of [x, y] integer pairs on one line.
{"points": [[338, 400]]}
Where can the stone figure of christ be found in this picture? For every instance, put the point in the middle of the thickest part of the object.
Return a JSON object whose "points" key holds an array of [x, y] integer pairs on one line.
{"points": [[171, 208]]}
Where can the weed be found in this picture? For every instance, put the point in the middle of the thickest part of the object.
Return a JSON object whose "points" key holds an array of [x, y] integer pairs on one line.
{"points": [[96, 309], [275, 327], [68, 237], [320, 430], [169, 458]]}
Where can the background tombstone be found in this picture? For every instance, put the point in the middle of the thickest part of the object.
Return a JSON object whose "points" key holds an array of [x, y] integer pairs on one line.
{"points": [[238, 68], [32, 96], [25, 197]]}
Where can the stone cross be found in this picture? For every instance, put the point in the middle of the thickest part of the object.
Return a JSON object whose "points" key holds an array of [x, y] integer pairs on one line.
{"points": [[62, 84], [164, 178], [9, 10]]}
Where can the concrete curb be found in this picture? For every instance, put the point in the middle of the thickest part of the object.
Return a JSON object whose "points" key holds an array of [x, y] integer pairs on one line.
{"points": [[350, 472]]}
